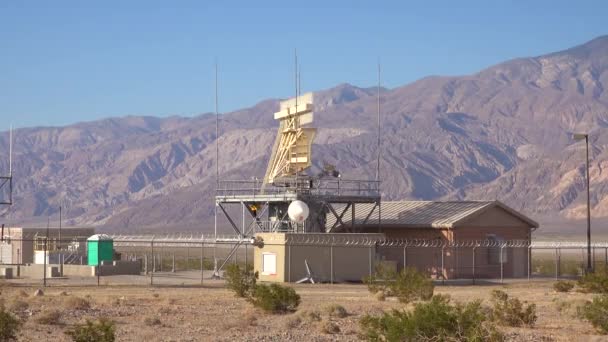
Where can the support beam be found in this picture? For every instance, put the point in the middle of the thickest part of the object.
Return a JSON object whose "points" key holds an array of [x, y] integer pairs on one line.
{"points": [[338, 217], [236, 229]]}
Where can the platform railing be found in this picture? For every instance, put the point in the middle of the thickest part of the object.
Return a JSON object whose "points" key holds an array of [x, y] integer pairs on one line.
{"points": [[308, 186]]}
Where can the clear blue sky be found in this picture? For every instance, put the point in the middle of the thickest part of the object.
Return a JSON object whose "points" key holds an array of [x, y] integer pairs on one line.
{"points": [[62, 62]]}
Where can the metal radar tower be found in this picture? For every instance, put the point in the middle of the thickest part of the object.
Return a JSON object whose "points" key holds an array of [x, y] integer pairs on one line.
{"points": [[289, 199]]}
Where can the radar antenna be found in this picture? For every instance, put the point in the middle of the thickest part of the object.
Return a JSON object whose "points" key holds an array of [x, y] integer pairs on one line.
{"points": [[291, 152]]}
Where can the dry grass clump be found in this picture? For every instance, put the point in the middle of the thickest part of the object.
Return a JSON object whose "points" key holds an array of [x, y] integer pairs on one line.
{"points": [[152, 321], [380, 296], [76, 303], [336, 310], [407, 285], [165, 310], [156, 295], [49, 317], [309, 316], [511, 311], [293, 321], [22, 293], [329, 327], [250, 317], [563, 286], [18, 305]]}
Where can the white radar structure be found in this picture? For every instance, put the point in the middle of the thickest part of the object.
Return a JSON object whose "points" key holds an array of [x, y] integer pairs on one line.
{"points": [[298, 211]]}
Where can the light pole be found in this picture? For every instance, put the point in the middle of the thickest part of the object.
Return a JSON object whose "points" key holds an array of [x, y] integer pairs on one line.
{"points": [[577, 137]]}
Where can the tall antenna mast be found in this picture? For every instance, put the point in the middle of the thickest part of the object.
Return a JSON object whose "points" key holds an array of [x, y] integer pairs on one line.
{"points": [[378, 117], [299, 80], [295, 52], [217, 136], [10, 151]]}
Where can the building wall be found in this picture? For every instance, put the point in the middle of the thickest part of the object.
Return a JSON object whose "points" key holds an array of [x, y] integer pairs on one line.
{"points": [[273, 243], [23, 244], [458, 262], [516, 263], [350, 264]]}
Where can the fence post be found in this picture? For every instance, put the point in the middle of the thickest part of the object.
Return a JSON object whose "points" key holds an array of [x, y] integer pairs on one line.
{"points": [[202, 262], [529, 261], [501, 264], [331, 263], [173, 263], [474, 264], [559, 262], [556, 263], [404, 257], [606, 258], [146, 264], [288, 262], [44, 271], [442, 266], [153, 262], [370, 253]]}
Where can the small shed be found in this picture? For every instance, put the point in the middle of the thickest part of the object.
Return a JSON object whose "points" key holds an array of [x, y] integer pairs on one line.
{"points": [[100, 247]]}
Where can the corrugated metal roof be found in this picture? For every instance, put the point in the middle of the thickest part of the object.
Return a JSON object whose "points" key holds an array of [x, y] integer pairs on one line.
{"points": [[421, 213]]}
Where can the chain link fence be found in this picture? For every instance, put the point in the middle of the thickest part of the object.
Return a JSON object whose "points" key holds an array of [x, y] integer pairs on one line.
{"points": [[199, 260]]}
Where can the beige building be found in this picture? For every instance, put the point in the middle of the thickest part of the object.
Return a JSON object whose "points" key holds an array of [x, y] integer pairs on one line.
{"points": [[452, 223], [283, 257], [20, 244], [466, 239]]}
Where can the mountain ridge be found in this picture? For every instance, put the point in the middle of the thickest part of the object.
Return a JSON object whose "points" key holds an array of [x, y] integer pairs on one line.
{"points": [[501, 133]]}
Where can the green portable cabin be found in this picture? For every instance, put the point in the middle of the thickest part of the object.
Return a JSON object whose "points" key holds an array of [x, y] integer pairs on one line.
{"points": [[100, 247]]}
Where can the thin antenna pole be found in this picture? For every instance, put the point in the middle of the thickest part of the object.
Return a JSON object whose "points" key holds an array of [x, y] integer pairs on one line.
{"points": [[217, 161], [10, 152], [299, 80], [217, 136], [295, 52], [378, 117]]}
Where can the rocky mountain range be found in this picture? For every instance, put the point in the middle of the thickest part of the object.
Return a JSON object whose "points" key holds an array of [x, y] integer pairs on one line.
{"points": [[503, 133]]}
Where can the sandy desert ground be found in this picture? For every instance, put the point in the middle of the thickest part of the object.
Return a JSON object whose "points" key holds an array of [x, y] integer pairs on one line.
{"points": [[212, 313]]}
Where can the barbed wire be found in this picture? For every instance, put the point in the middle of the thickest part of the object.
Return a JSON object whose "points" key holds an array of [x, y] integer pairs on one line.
{"points": [[344, 239]]}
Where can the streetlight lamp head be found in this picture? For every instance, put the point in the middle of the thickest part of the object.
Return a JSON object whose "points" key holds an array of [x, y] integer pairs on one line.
{"points": [[580, 136]]}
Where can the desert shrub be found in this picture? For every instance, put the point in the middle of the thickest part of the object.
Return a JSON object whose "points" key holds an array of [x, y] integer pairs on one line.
{"points": [[511, 311], [596, 312], [76, 303], [156, 295], [101, 331], [436, 320], [9, 326], [595, 282], [152, 321], [241, 281], [275, 298], [563, 286], [329, 327], [380, 296], [336, 310], [407, 285], [49, 317]]}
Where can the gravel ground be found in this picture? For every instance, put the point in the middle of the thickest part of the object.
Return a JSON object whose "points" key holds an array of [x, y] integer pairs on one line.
{"points": [[212, 313]]}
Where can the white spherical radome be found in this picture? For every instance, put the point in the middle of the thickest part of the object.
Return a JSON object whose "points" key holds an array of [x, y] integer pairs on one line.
{"points": [[298, 211]]}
